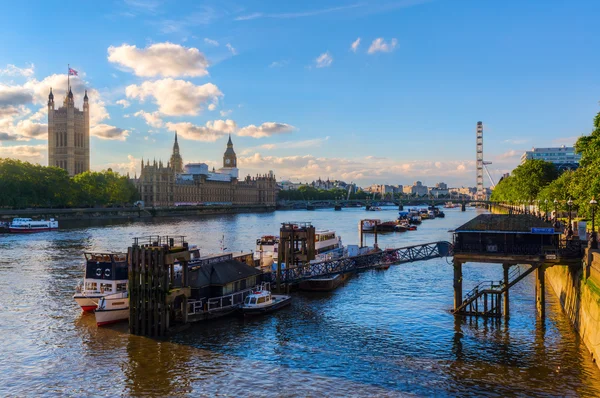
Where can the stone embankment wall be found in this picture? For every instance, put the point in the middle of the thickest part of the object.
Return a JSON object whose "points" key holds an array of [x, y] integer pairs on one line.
{"points": [[131, 212], [578, 289]]}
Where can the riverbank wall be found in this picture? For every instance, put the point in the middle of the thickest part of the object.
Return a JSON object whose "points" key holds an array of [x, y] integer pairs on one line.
{"points": [[578, 289], [131, 212]]}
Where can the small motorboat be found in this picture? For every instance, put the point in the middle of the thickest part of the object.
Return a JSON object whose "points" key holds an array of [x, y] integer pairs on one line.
{"points": [[112, 309], [401, 227], [261, 301]]}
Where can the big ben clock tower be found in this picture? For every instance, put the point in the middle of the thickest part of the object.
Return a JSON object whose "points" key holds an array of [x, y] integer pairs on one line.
{"points": [[230, 160]]}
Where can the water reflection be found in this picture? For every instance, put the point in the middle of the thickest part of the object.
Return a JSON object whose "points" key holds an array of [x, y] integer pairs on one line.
{"points": [[382, 334]]}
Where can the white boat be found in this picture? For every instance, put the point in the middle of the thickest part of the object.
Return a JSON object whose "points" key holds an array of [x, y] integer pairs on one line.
{"points": [[112, 309], [328, 245], [28, 225], [369, 225], [266, 250], [105, 273], [261, 301]]}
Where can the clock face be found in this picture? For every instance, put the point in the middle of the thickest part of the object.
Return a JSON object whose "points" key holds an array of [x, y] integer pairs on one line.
{"points": [[227, 161]]}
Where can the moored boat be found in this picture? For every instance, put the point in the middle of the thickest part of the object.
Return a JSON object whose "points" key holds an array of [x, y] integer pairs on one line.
{"points": [[112, 308], [105, 273], [28, 225], [328, 245], [323, 283], [261, 301]]}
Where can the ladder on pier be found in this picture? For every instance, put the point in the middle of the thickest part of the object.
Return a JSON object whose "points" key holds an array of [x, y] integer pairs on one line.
{"points": [[485, 299]]}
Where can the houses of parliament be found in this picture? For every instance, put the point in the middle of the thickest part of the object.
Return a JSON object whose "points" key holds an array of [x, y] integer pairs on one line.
{"points": [[174, 184]]}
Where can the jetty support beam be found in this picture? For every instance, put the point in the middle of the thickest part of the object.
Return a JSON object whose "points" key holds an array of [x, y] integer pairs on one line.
{"points": [[458, 297], [540, 290], [506, 282]]}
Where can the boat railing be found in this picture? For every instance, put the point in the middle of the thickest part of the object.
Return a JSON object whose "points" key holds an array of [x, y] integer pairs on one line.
{"points": [[218, 303]]}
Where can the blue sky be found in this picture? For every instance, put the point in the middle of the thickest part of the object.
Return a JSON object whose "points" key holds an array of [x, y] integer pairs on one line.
{"points": [[284, 79]]}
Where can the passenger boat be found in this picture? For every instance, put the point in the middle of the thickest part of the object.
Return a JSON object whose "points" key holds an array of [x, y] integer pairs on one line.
{"points": [[261, 301], [28, 225], [105, 273], [328, 245], [414, 218], [266, 250], [112, 309]]}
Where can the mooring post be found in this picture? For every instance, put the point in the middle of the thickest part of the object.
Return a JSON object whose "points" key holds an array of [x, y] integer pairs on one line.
{"points": [[540, 290], [506, 281], [457, 284]]}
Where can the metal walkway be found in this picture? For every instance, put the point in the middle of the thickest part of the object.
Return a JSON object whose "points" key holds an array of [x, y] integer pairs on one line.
{"points": [[425, 251]]}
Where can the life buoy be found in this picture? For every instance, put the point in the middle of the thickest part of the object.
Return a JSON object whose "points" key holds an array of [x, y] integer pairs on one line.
{"points": [[107, 272], [98, 271]]}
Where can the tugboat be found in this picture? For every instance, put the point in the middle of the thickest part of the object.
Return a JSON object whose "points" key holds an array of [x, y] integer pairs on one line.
{"points": [[105, 274], [261, 301]]}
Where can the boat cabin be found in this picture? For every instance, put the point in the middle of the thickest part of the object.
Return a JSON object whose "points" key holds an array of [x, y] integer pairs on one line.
{"points": [[105, 273]]}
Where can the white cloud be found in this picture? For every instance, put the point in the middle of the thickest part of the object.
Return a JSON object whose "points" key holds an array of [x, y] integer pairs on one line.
{"points": [[106, 132], [15, 95], [517, 141], [355, 44], [176, 97], [230, 47], [313, 143], [278, 64], [210, 132], [225, 113], [8, 137], [29, 153], [131, 166], [212, 107], [12, 70], [160, 59], [29, 129], [152, 119], [324, 60], [300, 14], [380, 45], [510, 154], [211, 42], [123, 103], [265, 130]]}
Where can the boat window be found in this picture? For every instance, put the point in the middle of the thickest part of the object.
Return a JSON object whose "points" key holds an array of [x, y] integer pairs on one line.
{"points": [[253, 301], [91, 286], [121, 287], [247, 301], [261, 300], [106, 287]]}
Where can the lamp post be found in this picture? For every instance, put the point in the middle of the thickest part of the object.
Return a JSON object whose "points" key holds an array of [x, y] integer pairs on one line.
{"points": [[546, 210], [570, 227], [555, 213], [593, 240]]}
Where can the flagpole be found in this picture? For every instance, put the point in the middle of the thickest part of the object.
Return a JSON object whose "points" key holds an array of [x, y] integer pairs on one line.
{"points": [[68, 78]]}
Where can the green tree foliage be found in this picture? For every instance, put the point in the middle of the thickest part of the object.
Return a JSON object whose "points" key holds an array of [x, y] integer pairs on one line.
{"points": [[306, 192], [526, 182], [23, 184]]}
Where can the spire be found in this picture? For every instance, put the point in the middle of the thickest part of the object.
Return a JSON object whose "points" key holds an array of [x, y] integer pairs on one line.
{"points": [[229, 143], [51, 96], [85, 97]]}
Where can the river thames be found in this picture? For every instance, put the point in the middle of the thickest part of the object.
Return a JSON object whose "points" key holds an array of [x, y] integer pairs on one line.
{"points": [[384, 333]]}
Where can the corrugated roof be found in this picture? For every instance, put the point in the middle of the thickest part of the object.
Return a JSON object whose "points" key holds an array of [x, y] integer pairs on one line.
{"points": [[220, 274], [503, 223]]}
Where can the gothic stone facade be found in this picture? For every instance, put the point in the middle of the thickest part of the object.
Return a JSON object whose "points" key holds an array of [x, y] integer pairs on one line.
{"points": [[69, 135], [165, 185]]}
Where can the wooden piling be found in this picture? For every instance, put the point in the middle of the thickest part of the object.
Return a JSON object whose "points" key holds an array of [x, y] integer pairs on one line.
{"points": [[540, 291], [506, 282]]}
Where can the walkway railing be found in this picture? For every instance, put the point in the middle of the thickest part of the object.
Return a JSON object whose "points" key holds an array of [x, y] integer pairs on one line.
{"points": [[400, 255], [218, 303]]}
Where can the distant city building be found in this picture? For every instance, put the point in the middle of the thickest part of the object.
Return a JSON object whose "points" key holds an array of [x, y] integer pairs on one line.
{"points": [[69, 135], [419, 189], [163, 185], [441, 185], [563, 157]]}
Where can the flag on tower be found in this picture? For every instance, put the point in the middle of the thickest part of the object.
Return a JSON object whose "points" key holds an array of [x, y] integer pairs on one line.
{"points": [[72, 72]]}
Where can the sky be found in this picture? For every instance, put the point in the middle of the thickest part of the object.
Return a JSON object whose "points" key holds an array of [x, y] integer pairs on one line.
{"points": [[370, 92]]}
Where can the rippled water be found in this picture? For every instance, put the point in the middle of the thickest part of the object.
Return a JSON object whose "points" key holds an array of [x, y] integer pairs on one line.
{"points": [[385, 333]]}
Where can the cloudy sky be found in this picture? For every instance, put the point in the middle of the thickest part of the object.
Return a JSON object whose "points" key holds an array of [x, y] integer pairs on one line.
{"points": [[371, 92]]}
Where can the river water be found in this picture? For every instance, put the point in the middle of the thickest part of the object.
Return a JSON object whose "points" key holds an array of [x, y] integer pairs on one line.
{"points": [[385, 333]]}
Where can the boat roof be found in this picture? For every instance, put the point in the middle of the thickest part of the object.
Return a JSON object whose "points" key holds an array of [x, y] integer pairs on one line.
{"points": [[221, 273], [324, 231]]}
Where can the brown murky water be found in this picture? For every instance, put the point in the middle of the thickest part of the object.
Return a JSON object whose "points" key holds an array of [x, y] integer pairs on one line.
{"points": [[382, 334]]}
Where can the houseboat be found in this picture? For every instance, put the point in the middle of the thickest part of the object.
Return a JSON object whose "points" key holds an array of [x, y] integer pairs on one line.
{"points": [[266, 250], [261, 301], [112, 308], [105, 274], [28, 225]]}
